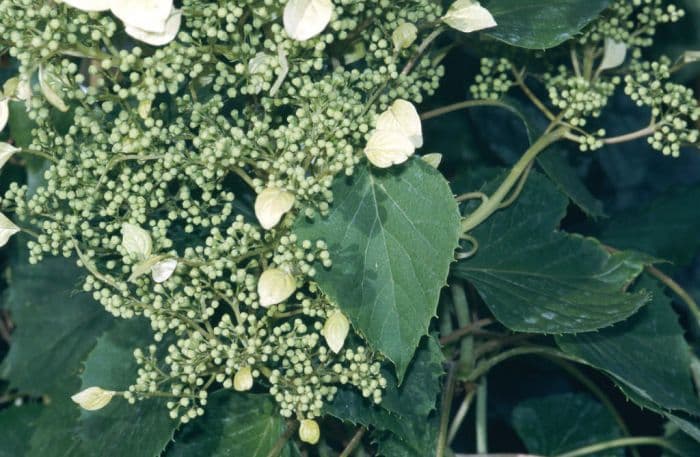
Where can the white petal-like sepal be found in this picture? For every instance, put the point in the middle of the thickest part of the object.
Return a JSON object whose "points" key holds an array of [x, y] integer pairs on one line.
{"points": [[48, 83], [304, 19], [432, 159], [172, 27], [271, 204], [468, 16], [7, 229], [93, 398], [388, 147], [136, 241], [402, 116], [89, 5], [6, 151], [147, 15], [335, 330], [243, 379], [275, 286], [615, 54], [309, 431], [4, 114], [163, 270], [404, 35], [691, 56]]}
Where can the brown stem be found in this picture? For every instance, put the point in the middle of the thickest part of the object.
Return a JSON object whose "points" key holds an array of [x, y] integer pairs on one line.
{"points": [[354, 442], [646, 131], [466, 330], [282, 440]]}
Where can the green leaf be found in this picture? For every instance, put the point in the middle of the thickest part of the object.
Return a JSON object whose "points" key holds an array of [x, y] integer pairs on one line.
{"points": [[16, 429], [139, 430], [541, 24], [646, 354], [559, 423], [412, 401], [667, 228], [537, 279], [555, 164], [423, 442], [56, 326], [391, 235], [234, 425]]}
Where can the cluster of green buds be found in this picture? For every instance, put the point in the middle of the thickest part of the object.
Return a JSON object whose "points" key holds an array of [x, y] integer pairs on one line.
{"points": [[494, 79], [192, 138], [578, 98]]}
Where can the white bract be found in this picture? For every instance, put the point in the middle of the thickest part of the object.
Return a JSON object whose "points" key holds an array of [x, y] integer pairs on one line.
{"points": [[468, 16], [404, 35], [47, 82], [93, 398], [163, 270], [309, 431], [4, 115], [7, 229], [275, 286], [271, 204], [691, 56], [89, 5], [304, 19], [136, 241], [6, 151], [403, 117], [336, 330], [147, 15], [433, 159], [172, 27], [243, 379], [615, 54], [388, 147]]}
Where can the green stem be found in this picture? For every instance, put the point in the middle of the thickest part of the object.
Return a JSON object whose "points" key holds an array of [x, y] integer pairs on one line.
{"points": [[486, 365], [460, 415], [34, 152], [354, 442], [494, 201], [445, 408], [481, 419], [463, 105], [459, 299], [621, 442]]}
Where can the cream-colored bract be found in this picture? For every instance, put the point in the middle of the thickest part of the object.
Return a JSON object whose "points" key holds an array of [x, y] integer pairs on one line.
{"points": [[243, 379], [6, 151], [89, 5], [404, 35], [433, 159], [309, 431], [615, 54], [147, 15], [46, 79], [691, 56], [172, 27], [304, 19], [136, 241], [336, 330], [4, 114], [271, 204], [388, 147], [93, 398], [403, 117], [7, 229], [163, 270], [468, 16], [275, 286]]}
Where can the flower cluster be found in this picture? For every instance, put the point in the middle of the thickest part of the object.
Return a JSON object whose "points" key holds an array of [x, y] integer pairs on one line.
{"points": [[494, 79], [186, 152]]}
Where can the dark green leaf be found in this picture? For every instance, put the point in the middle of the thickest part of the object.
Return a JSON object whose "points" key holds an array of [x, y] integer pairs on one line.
{"points": [[391, 235], [555, 164], [646, 354], [541, 24], [423, 439], [139, 430], [16, 427], [537, 279], [559, 423], [56, 325], [667, 228], [234, 425]]}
